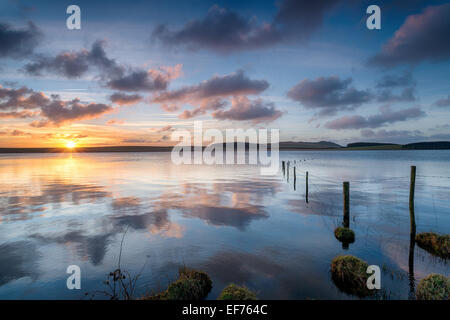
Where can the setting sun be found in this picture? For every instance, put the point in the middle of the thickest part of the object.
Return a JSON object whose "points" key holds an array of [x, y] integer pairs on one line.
{"points": [[71, 144]]}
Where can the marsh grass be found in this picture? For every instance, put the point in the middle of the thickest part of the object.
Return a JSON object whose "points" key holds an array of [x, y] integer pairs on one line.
{"points": [[434, 287], [349, 275], [438, 245], [235, 292]]}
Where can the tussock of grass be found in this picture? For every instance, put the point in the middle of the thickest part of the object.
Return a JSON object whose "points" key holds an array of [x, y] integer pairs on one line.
{"points": [[435, 244], [349, 275], [345, 235], [434, 287], [235, 292], [190, 285]]}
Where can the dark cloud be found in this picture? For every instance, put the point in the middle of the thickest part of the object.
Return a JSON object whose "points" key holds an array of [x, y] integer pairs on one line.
{"points": [[385, 116], [125, 99], [17, 43], [422, 37], [211, 94], [59, 112], [74, 64], [139, 80], [445, 102], [220, 30], [225, 31], [25, 103], [24, 98], [233, 84], [328, 95], [243, 109]]}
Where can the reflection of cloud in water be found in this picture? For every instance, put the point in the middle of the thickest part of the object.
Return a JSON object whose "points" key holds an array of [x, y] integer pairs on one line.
{"points": [[18, 260], [229, 204], [93, 247], [22, 206]]}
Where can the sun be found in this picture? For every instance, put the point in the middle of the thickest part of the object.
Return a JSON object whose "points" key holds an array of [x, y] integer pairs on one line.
{"points": [[71, 144]]}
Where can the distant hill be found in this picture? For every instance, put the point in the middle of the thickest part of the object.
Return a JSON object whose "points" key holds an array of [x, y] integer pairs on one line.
{"points": [[369, 144], [309, 145], [435, 145]]}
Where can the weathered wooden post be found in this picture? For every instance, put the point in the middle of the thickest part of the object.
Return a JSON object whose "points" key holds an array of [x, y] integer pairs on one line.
{"points": [[412, 234], [412, 187], [287, 169], [306, 186], [346, 191], [295, 178]]}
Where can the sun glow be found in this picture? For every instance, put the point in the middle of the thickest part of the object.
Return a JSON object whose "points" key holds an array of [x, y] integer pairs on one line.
{"points": [[71, 144]]}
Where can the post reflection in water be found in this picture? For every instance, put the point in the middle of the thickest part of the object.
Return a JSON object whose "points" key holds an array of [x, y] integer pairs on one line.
{"points": [[273, 236]]}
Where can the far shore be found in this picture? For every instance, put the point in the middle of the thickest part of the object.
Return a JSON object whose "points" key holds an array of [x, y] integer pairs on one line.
{"points": [[283, 146]]}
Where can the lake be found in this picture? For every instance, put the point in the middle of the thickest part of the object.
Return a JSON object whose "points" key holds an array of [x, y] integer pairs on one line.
{"points": [[237, 225]]}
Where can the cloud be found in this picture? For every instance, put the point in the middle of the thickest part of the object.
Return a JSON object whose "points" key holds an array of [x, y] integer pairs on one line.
{"points": [[74, 64], [139, 80], [328, 95], [407, 94], [404, 79], [114, 121], [25, 103], [225, 31], [124, 99], [385, 116], [25, 98], [214, 95], [59, 112], [233, 84], [445, 102], [388, 83], [17, 43], [243, 109], [144, 80], [205, 106], [422, 37], [19, 114]]}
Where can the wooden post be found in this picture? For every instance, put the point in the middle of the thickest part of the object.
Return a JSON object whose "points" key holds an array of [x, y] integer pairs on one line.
{"points": [[412, 187], [346, 191], [295, 178], [306, 186], [287, 171]]}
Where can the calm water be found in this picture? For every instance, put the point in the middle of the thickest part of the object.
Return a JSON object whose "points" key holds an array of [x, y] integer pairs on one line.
{"points": [[58, 210]]}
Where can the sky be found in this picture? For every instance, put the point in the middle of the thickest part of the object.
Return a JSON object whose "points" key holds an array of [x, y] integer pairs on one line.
{"points": [[138, 70]]}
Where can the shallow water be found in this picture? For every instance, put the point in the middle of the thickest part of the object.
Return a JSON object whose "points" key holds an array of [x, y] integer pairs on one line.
{"points": [[60, 209]]}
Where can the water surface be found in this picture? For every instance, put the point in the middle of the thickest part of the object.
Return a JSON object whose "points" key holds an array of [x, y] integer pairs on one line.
{"points": [[63, 209]]}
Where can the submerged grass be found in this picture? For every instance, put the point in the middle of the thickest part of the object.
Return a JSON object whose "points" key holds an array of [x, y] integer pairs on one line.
{"points": [[434, 287], [235, 292], [190, 285], [438, 245], [349, 275]]}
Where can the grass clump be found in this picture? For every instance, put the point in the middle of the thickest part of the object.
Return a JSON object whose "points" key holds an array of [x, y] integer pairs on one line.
{"points": [[344, 234], [235, 292], [349, 275], [190, 285], [435, 244], [434, 287]]}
